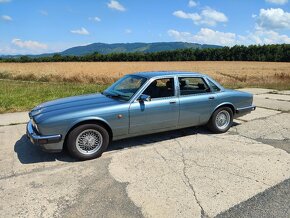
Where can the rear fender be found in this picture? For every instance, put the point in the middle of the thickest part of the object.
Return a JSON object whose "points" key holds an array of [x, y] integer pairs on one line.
{"points": [[229, 104]]}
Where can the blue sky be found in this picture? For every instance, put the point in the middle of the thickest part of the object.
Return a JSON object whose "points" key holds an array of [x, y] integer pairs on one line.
{"points": [[39, 26]]}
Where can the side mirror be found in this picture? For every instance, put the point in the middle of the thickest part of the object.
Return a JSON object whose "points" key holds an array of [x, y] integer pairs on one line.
{"points": [[144, 97]]}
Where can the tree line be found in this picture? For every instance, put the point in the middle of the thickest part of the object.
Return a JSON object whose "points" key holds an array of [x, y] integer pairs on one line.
{"points": [[272, 53]]}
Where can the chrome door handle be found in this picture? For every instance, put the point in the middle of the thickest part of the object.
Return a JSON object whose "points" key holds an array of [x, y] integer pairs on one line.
{"points": [[211, 97], [172, 102]]}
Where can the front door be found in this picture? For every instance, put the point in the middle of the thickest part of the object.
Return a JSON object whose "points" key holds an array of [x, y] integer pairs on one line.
{"points": [[160, 113]]}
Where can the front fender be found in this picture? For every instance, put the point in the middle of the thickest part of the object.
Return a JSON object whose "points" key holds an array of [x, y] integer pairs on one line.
{"points": [[84, 119]]}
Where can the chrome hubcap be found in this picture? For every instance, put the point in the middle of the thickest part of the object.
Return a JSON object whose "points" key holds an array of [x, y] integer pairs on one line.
{"points": [[223, 119], [89, 141]]}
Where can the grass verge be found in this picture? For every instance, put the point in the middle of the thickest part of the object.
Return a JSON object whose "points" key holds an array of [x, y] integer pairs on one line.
{"points": [[24, 95]]}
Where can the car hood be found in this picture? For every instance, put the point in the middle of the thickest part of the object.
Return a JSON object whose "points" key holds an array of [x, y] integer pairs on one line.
{"points": [[71, 104]]}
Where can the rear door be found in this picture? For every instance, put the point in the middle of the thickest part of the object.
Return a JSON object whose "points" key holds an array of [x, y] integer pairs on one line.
{"points": [[197, 101]]}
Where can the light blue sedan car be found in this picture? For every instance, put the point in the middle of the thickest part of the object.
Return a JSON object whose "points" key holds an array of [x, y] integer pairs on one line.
{"points": [[137, 104]]}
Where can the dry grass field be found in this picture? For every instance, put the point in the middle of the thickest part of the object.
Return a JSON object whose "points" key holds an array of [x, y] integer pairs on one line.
{"points": [[230, 74]]}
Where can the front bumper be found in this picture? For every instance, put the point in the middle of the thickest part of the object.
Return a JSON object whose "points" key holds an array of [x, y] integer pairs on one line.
{"points": [[45, 142], [245, 110]]}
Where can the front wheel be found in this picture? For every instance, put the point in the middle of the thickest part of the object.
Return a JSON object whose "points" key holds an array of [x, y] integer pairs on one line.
{"points": [[221, 120], [87, 141]]}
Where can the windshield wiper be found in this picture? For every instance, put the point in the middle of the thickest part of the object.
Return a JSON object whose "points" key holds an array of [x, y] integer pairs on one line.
{"points": [[114, 95], [118, 96]]}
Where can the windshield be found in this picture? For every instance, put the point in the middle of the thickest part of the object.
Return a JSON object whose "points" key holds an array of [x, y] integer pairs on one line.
{"points": [[125, 87]]}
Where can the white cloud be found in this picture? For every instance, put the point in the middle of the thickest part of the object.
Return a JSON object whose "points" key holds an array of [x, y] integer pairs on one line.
{"points": [[116, 6], [209, 36], [128, 31], [43, 12], [212, 17], [278, 2], [208, 16], [5, 1], [13, 49], [272, 37], [263, 37], [193, 16], [192, 4], [81, 31], [180, 36], [29, 44], [205, 36], [96, 19], [6, 50], [6, 18], [273, 19]]}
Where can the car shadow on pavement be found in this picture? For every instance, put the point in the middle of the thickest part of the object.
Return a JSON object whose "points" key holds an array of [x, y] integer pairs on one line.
{"points": [[156, 137], [29, 153]]}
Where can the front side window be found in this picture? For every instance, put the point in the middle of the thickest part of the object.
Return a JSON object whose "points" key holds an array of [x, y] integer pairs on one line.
{"points": [[160, 88], [192, 86], [125, 87]]}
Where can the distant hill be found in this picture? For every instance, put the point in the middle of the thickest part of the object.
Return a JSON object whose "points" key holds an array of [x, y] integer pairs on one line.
{"points": [[169, 52], [104, 48]]}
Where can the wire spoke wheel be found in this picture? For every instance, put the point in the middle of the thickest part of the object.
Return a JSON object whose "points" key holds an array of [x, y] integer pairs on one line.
{"points": [[223, 119], [89, 141]]}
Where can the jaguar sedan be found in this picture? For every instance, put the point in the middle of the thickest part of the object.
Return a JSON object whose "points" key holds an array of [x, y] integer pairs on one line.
{"points": [[137, 104]]}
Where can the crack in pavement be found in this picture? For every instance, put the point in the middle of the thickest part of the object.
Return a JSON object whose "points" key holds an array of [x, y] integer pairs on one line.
{"points": [[219, 169], [276, 136], [37, 170], [233, 140], [260, 118], [185, 177], [203, 214], [13, 124], [237, 166], [187, 182], [233, 174]]}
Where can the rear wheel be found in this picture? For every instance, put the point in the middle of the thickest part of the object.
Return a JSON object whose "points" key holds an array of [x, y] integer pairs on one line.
{"points": [[87, 141], [221, 120]]}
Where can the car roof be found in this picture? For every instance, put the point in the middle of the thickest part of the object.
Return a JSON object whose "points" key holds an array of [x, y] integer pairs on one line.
{"points": [[151, 74]]}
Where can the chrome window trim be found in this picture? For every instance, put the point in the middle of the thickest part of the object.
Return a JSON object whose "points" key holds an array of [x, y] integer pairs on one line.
{"points": [[132, 97], [214, 82], [197, 94], [148, 82]]}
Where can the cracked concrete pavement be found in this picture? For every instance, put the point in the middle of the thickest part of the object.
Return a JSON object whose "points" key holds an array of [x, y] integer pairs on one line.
{"points": [[207, 175], [187, 173]]}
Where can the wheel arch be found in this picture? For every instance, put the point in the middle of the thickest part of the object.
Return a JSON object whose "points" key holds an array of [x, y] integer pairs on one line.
{"points": [[210, 123], [97, 121], [226, 104]]}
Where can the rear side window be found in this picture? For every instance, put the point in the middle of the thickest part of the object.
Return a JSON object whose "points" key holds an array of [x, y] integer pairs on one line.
{"points": [[213, 86], [192, 85]]}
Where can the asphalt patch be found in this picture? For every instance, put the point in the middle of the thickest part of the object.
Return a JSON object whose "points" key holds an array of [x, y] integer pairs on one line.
{"points": [[274, 202]]}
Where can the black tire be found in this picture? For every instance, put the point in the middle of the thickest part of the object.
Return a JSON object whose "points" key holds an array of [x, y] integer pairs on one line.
{"points": [[212, 124], [98, 131]]}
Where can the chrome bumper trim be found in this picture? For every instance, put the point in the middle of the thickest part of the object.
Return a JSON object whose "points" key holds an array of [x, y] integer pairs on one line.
{"points": [[35, 138], [246, 109]]}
